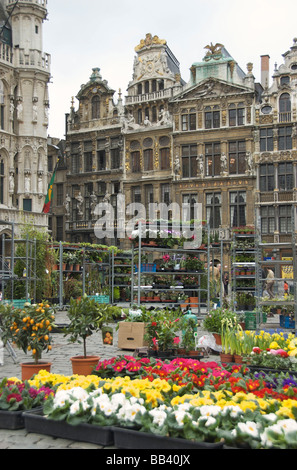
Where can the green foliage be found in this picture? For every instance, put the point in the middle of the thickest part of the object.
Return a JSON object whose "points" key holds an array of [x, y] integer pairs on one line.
{"points": [[215, 318]]}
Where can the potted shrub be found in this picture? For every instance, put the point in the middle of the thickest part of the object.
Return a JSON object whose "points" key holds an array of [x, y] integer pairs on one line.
{"points": [[86, 318], [215, 319], [29, 328], [189, 327]]}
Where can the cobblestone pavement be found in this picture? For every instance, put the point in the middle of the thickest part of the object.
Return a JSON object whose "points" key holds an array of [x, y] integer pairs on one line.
{"points": [[60, 356]]}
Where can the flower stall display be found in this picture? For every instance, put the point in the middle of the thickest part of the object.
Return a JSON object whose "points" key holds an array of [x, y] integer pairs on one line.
{"points": [[29, 328], [162, 331], [234, 407]]}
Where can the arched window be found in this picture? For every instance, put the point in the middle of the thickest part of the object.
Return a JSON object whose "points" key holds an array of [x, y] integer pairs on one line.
{"points": [[284, 107], [96, 107]]}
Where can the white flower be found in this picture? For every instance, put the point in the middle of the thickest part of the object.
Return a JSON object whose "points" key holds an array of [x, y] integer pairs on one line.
{"points": [[234, 411], [210, 410], [271, 417], [210, 421], [159, 416], [79, 393], [288, 425], [74, 408], [250, 428], [118, 399], [180, 415]]}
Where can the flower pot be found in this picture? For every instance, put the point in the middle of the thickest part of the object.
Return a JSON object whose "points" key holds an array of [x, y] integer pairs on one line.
{"points": [[76, 267], [237, 358], [194, 302], [218, 338], [30, 368], [84, 365], [226, 357]]}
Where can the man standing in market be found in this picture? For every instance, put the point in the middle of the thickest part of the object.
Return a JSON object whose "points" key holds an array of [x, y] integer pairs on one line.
{"points": [[269, 282]]}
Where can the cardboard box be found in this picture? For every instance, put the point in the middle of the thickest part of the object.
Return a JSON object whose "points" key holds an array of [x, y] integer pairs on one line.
{"points": [[131, 335]]}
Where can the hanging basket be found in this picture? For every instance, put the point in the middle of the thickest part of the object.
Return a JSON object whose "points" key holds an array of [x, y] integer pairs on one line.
{"points": [[107, 335]]}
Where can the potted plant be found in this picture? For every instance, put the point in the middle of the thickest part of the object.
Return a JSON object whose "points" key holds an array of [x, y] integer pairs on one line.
{"points": [[29, 328], [228, 335], [161, 332], [189, 327], [86, 318], [214, 320]]}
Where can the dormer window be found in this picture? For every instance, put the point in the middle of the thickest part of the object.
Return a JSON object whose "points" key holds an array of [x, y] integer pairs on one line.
{"points": [[284, 107], [96, 107], [285, 80]]}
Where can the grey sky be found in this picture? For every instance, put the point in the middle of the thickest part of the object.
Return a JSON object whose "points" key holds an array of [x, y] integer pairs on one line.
{"points": [[81, 35]]}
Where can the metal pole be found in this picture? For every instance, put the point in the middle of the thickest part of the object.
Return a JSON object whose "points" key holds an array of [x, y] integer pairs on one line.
{"points": [[3, 264], [61, 276], [27, 267], [139, 264]]}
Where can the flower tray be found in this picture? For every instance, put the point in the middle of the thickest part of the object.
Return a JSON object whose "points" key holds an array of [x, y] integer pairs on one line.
{"points": [[268, 370], [36, 422], [11, 420], [132, 439]]}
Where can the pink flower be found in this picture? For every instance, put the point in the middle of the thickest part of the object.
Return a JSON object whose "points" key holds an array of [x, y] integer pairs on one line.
{"points": [[176, 340], [155, 341]]}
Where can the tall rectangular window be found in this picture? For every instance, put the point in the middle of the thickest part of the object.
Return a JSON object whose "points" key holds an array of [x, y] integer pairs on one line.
{"points": [[189, 161], [188, 210], [285, 138], [2, 177], [285, 176], [27, 205], [114, 154], [88, 156], [237, 157], [136, 194], [238, 208], [60, 194], [236, 117], [267, 177], [284, 219], [87, 199], [213, 209], [213, 159], [135, 160], [266, 140], [189, 121], [212, 119], [267, 219], [164, 158], [149, 194], [75, 157], [165, 193], [148, 163], [101, 155]]}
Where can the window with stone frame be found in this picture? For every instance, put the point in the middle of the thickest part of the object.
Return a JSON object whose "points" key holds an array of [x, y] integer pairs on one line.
{"points": [[189, 161], [237, 157], [285, 138], [115, 156], [101, 155], [165, 158], [188, 119], [88, 191], [2, 106], [213, 159], [284, 107], [266, 139], [165, 193], [96, 107], [212, 117], [266, 176], [285, 219], [149, 194], [60, 194], [285, 176], [135, 162], [236, 114], [75, 158], [267, 219], [214, 209], [101, 190], [188, 209], [148, 160], [74, 205], [237, 208], [88, 156], [136, 194]]}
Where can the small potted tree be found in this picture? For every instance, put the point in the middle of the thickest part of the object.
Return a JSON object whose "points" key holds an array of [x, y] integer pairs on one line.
{"points": [[29, 328], [86, 318]]}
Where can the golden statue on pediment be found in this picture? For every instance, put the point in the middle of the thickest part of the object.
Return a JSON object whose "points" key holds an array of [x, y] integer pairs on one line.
{"points": [[150, 41], [213, 49]]}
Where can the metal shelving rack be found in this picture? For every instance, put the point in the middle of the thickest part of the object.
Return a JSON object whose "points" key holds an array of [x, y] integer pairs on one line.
{"points": [[278, 263], [114, 274], [242, 266], [136, 285]]}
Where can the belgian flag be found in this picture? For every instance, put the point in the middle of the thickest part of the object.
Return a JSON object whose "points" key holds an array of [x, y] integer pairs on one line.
{"points": [[48, 199]]}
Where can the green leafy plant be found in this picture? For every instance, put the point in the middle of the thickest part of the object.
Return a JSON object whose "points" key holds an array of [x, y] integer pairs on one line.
{"points": [[86, 317], [215, 318], [189, 326]]}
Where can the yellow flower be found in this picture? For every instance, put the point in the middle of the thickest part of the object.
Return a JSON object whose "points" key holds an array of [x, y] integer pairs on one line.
{"points": [[274, 345]]}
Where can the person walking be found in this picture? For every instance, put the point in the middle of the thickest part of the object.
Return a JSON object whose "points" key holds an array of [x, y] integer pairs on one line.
{"points": [[226, 283], [270, 282]]}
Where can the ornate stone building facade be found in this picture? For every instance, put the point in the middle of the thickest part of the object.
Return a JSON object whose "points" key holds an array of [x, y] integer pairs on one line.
{"points": [[222, 140], [24, 103]]}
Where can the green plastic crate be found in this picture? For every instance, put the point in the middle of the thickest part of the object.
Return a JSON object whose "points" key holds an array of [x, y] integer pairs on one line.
{"points": [[101, 299], [250, 320]]}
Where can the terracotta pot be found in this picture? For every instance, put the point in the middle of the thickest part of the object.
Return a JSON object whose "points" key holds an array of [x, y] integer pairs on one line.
{"points": [[218, 338], [226, 357], [238, 359], [82, 365], [194, 302], [76, 267], [31, 368]]}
